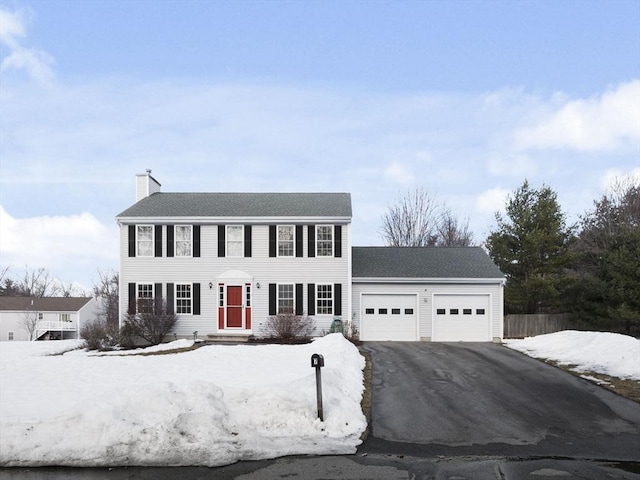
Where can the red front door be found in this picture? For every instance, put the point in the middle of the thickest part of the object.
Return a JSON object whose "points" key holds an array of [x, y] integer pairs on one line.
{"points": [[234, 307]]}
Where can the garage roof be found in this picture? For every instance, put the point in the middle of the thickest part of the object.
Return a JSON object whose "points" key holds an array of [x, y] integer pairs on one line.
{"points": [[43, 304], [242, 205], [423, 262]]}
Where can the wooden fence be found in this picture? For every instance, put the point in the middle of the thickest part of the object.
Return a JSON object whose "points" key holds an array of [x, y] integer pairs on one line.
{"points": [[520, 326]]}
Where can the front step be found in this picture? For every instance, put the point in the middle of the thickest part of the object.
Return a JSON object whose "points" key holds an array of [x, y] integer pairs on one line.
{"points": [[227, 338]]}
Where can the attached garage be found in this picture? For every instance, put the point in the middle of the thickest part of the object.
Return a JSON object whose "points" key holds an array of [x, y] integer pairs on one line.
{"points": [[461, 318], [427, 294], [389, 317]]}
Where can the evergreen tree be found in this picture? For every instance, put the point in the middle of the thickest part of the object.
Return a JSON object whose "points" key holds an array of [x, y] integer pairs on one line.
{"points": [[531, 245]]}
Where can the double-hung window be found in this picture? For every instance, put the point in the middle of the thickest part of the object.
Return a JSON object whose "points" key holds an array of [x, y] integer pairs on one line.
{"points": [[324, 299], [286, 240], [183, 240], [145, 297], [235, 247], [144, 241], [183, 298], [324, 241], [285, 298]]}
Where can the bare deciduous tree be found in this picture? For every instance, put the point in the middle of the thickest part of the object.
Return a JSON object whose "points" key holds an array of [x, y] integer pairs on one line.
{"points": [[452, 232], [413, 221], [106, 293], [29, 321], [152, 322], [419, 220], [35, 282]]}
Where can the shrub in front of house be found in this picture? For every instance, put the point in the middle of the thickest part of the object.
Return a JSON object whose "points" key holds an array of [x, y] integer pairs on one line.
{"points": [[99, 335], [152, 322], [290, 327]]}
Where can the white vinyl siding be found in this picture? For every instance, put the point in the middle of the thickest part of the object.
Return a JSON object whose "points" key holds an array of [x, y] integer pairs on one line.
{"points": [[259, 268]]}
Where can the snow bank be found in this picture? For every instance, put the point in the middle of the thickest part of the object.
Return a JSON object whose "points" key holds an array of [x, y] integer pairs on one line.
{"points": [[211, 406], [599, 352]]}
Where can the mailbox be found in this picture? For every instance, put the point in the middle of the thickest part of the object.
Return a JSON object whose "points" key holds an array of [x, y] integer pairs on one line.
{"points": [[317, 360]]}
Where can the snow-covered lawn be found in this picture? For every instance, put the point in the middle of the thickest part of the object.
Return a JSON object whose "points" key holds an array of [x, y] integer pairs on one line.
{"points": [[598, 352], [211, 406]]}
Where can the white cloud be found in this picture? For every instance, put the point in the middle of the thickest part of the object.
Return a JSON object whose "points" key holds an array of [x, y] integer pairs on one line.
{"points": [[398, 173], [492, 201], [605, 122], [37, 63], [57, 242]]}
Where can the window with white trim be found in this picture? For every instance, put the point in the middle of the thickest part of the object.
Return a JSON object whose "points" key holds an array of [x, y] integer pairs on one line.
{"points": [[324, 240], [40, 316], [183, 298], [145, 297], [248, 296], [285, 298], [9, 335], [235, 247], [324, 299], [221, 295], [286, 240], [183, 239], [144, 240]]}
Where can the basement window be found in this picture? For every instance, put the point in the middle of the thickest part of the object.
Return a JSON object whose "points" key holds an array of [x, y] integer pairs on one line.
{"points": [[441, 311]]}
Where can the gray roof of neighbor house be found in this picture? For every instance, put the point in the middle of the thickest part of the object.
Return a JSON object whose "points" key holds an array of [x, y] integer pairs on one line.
{"points": [[423, 262], [241, 205], [43, 304]]}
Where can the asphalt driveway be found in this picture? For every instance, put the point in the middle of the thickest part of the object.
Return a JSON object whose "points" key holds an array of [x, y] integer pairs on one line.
{"points": [[485, 399]]}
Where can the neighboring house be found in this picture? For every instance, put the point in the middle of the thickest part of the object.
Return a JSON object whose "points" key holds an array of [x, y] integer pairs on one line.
{"points": [[48, 318], [225, 262]]}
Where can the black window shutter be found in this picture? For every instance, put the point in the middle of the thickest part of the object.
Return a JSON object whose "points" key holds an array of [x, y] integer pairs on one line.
{"points": [[132, 240], [299, 241], [170, 309], [158, 240], [337, 299], [169, 240], [157, 296], [337, 230], [247, 241], [272, 299], [132, 298], [311, 298], [311, 231], [221, 242], [196, 299], [196, 240], [299, 306], [272, 240]]}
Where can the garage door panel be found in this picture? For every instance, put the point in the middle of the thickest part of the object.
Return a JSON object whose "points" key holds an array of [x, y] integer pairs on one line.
{"points": [[389, 317], [461, 318]]}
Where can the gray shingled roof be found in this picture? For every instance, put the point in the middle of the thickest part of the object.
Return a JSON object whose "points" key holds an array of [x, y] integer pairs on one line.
{"points": [[242, 205], [423, 262], [45, 304]]}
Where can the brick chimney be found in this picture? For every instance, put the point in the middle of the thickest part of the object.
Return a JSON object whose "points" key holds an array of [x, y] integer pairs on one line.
{"points": [[146, 185]]}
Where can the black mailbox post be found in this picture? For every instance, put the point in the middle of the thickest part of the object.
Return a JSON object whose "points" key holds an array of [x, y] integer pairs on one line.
{"points": [[317, 362]]}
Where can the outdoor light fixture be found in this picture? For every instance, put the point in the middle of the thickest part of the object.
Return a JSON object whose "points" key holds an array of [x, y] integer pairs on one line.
{"points": [[258, 285], [210, 285]]}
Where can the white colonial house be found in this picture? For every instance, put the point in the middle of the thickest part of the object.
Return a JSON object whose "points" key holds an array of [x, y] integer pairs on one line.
{"points": [[46, 318], [225, 262]]}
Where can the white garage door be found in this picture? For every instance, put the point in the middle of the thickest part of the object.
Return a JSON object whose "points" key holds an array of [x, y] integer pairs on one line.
{"points": [[461, 318], [389, 317]]}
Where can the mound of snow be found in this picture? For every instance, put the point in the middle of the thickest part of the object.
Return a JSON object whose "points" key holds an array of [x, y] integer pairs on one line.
{"points": [[211, 406], [599, 352]]}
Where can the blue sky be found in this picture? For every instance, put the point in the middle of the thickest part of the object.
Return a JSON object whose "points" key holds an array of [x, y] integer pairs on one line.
{"points": [[463, 98]]}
